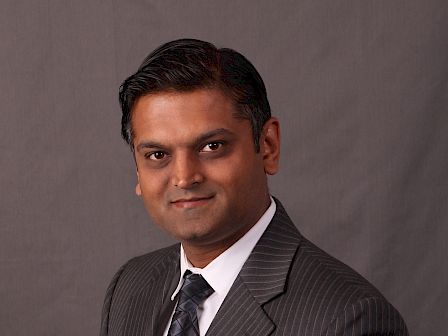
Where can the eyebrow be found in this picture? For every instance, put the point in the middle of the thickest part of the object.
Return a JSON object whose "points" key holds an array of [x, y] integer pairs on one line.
{"points": [[201, 138]]}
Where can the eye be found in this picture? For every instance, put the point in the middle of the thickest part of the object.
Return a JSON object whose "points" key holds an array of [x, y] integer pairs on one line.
{"points": [[212, 146], [156, 156]]}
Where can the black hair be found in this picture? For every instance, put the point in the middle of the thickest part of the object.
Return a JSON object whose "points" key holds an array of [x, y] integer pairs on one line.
{"points": [[187, 64]]}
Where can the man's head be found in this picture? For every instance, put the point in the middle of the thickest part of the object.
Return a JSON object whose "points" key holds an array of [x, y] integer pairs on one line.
{"points": [[192, 133], [186, 65]]}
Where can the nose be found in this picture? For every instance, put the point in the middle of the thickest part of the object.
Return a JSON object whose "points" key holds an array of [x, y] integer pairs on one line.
{"points": [[186, 171]]}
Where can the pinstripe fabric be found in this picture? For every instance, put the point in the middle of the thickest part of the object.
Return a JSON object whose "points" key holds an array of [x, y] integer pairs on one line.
{"points": [[288, 286], [139, 294]]}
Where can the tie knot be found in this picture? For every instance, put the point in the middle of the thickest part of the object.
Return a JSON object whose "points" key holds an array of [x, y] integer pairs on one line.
{"points": [[195, 289]]}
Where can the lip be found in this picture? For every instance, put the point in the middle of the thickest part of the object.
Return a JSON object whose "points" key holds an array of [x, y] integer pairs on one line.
{"points": [[194, 202]]}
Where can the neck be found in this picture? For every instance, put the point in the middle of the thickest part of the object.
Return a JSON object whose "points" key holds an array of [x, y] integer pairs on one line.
{"points": [[200, 257]]}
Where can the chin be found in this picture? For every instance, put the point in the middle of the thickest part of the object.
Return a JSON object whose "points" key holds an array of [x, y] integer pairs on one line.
{"points": [[195, 238]]}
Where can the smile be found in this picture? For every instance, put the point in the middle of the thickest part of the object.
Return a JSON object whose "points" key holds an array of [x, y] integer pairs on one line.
{"points": [[194, 202]]}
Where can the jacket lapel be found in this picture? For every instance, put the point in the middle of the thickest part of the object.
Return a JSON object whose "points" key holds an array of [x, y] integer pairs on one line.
{"points": [[262, 278], [150, 308], [240, 314]]}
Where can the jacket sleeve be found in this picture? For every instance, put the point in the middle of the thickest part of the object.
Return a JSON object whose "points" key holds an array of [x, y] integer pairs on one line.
{"points": [[369, 316]]}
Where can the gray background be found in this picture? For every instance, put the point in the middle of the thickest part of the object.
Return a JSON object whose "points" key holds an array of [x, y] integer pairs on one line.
{"points": [[361, 90]]}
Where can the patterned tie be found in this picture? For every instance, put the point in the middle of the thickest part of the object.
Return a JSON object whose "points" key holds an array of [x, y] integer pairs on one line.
{"points": [[193, 292]]}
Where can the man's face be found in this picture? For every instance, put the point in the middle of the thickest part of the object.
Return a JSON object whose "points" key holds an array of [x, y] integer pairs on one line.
{"points": [[198, 173]]}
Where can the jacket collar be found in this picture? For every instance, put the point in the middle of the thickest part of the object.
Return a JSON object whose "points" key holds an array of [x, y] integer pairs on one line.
{"points": [[266, 270], [262, 278]]}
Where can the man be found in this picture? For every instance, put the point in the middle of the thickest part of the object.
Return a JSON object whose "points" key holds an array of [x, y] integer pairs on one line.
{"points": [[199, 125]]}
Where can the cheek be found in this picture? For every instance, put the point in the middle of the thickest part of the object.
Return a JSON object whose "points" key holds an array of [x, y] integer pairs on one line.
{"points": [[152, 186], [225, 173], [236, 175]]}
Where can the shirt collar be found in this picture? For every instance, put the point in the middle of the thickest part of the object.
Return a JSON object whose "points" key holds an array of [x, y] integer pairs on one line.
{"points": [[223, 270]]}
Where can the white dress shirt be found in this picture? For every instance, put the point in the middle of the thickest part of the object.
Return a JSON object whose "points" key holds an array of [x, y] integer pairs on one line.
{"points": [[223, 270]]}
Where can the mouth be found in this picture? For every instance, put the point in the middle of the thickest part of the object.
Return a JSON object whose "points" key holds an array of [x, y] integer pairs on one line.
{"points": [[193, 202]]}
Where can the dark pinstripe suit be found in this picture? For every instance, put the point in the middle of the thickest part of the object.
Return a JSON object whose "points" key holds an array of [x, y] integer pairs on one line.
{"points": [[288, 286]]}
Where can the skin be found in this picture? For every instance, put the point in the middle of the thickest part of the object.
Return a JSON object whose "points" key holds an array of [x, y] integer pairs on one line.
{"points": [[198, 173]]}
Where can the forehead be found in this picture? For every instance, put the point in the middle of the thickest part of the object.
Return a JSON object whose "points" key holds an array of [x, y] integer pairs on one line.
{"points": [[180, 116]]}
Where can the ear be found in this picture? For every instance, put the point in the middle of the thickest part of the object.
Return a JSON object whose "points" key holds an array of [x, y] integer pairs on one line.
{"points": [[138, 189], [270, 146]]}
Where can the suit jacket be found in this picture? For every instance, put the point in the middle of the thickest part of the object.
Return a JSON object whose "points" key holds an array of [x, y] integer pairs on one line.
{"points": [[288, 286]]}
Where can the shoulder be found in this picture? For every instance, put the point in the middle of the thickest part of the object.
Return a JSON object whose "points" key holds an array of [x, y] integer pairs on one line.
{"points": [[154, 259], [329, 297], [145, 268], [327, 272], [137, 275]]}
